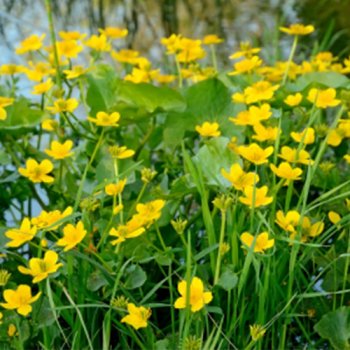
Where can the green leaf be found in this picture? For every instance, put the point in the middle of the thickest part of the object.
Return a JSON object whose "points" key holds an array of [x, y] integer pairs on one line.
{"points": [[335, 326], [102, 85], [209, 100], [149, 97], [163, 258], [329, 79], [135, 277], [44, 316], [5, 158], [95, 281], [214, 156], [228, 279], [21, 115], [162, 344]]}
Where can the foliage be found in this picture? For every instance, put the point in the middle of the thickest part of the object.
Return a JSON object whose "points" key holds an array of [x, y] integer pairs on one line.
{"points": [[195, 209]]}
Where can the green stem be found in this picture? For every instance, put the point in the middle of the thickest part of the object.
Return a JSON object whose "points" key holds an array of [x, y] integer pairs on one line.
{"points": [[221, 241], [138, 199], [160, 238], [120, 200], [53, 42], [80, 190], [291, 55], [346, 268], [213, 57], [178, 67]]}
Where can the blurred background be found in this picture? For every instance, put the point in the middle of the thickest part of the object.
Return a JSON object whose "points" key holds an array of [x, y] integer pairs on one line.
{"points": [[150, 20]]}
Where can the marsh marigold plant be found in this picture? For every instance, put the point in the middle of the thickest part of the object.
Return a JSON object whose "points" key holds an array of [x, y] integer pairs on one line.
{"points": [[182, 203]]}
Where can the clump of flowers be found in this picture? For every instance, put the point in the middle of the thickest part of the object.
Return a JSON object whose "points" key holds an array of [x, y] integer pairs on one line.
{"points": [[221, 192]]}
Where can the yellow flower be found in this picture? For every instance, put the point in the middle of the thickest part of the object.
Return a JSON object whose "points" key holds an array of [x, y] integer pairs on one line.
{"points": [[323, 98], [289, 221], [75, 72], [36, 172], [21, 235], [62, 105], [208, 129], [239, 97], [114, 32], [149, 212], [41, 268], [293, 100], [298, 29], [253, 116], [32, 43], [42, 88], [334, 217], [138, 75], [71, 35], [37, 72], [335, 137], [190, 50], [255, 154], [307, 136], [105, 119], [60, 150], [247, 65], [347, 158], [311, 230], [260, 243], [72, 236], [260, 91], [117, 209], [263, 133], [238, 178], [133, 228], [19, 299], [126, 56], [212, 39], [50, 219], [255, 197], [69, 48], [165, 78], [261, 113], [292, 155], [197, 298], [115, 189], [98, 43], [246, 50], [256, 331], [121, 152], [11, 69], [243, 118], [173, 44], [4, 102], [137, 316], [285, 171]]}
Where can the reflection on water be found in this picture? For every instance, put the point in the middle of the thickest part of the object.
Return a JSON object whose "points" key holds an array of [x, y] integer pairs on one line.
{"points": [[148, 21]]}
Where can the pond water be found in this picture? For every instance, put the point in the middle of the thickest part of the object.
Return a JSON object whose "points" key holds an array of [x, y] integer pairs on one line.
{"points": [[148, 21]]}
